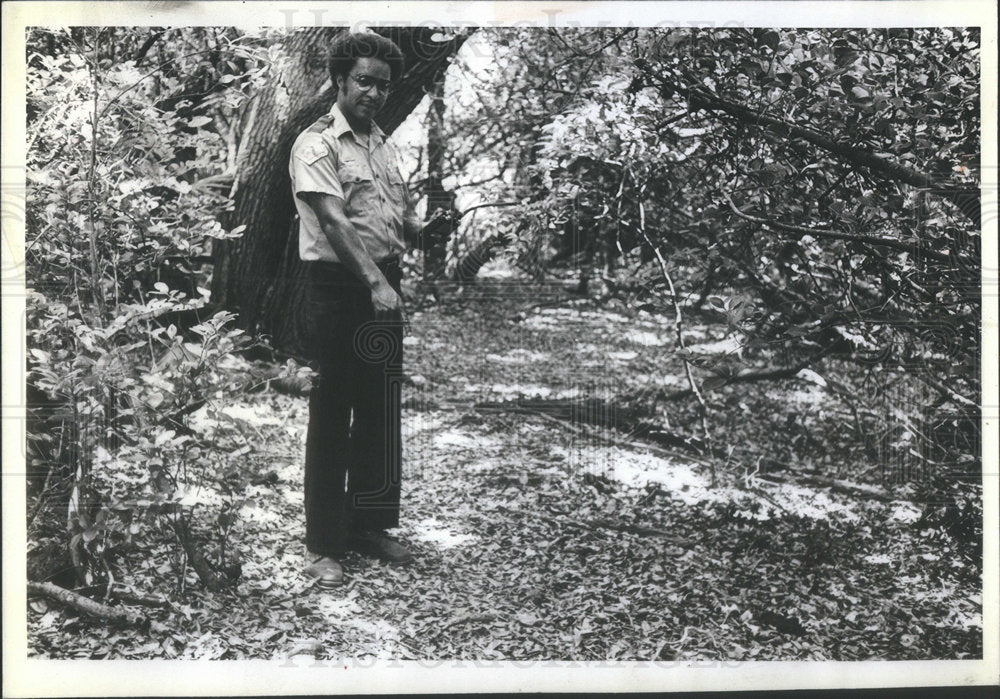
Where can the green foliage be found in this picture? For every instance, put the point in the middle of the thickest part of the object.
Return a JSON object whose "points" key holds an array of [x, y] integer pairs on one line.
{"points": [[128, 167], [802, 235]]}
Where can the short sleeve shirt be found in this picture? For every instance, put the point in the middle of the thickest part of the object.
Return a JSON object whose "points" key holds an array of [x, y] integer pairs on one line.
{"points": [[329, 159]]}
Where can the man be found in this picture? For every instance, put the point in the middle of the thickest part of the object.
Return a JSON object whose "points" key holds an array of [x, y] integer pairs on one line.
{"points": [[354, 214]]}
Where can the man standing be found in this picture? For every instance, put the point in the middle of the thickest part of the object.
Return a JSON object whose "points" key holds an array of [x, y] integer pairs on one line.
{"points": [[354, 214]]}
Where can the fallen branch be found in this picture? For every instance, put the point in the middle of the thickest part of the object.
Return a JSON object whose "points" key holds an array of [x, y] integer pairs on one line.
{"points": [[84, 604], [136, 598], [835, 484], [641, 530], [768, 374], [847, 487], [571, 414], [126, 596], [638, 529]]}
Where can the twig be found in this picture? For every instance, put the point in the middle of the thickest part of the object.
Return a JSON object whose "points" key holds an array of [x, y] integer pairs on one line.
{"points": [[84, 604], [487, 204], [208, 577], [679, 332]]}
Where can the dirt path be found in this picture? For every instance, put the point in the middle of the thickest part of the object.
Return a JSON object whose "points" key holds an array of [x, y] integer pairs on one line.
{"points": [[540, 539]]}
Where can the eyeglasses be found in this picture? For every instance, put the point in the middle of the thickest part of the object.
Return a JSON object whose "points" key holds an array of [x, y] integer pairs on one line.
{"points": [[367, 82]]}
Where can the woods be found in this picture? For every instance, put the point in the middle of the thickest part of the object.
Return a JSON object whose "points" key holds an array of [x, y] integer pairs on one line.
{"points": [[742, 265]]}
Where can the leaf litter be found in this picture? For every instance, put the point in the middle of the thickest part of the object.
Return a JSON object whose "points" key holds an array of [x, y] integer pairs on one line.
{"points": [[537, 542]]}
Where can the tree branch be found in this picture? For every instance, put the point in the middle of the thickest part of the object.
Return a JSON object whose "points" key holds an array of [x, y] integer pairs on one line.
{"points": [[915, 250], [147, 45], [966, 199], [83, 604]]}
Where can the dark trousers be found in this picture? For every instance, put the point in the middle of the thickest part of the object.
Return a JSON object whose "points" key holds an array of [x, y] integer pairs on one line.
{"points": [[353, 447]]}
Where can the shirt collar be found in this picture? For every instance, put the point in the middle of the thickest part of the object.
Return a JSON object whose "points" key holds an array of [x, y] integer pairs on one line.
{"points": [[342, 126]]}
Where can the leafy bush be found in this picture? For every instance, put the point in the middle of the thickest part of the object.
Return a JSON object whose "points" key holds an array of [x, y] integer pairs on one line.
{"points": [[127, 170]]}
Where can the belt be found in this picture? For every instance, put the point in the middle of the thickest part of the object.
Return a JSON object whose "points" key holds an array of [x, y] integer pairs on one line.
{"points": [[339, 274], [388, 262]]}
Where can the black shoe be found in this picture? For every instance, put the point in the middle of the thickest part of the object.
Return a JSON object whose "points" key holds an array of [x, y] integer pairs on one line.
{"points": [[327, 571], [379, 544]]}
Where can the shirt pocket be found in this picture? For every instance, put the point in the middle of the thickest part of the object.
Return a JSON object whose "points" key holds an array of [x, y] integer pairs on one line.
{"points": [[395, 177], [359, 185], [397, 185]]}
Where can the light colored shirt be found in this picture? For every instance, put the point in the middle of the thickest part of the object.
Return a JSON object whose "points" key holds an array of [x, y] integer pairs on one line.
{"points": [[330, 158]]}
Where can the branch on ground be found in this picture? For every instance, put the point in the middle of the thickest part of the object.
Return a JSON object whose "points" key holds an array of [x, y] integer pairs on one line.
{"points": [[83, 604]]}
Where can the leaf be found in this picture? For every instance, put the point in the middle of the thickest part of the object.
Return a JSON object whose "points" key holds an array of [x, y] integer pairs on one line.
{"points": [[527, 619], [771, 39], [199, 121], [810, 375], [712, 383], [717, 302]]}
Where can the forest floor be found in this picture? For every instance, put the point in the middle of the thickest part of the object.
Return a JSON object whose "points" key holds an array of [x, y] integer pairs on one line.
{"points": [[542, 538]]}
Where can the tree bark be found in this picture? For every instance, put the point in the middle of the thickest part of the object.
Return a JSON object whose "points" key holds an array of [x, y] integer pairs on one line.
{"points": [[259, 275], [83, 604], [436, 246]]}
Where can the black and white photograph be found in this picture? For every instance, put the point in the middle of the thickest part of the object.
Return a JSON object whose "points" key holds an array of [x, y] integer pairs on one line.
{"points": [[368, 337]]}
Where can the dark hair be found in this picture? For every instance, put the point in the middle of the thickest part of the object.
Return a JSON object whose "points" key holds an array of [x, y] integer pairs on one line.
{"points": [[347, 47]]}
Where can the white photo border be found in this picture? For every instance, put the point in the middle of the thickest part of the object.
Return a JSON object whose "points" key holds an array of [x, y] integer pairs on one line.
{"points": [[25, 676]]}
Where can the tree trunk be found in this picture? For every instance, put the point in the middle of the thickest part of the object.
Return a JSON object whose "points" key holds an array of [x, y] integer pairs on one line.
{"points": [[436, 247], [259, 275]]}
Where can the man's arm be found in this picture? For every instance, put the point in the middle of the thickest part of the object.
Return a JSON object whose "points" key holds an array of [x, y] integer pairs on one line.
{"points": [[418, 235], [411, 229], [344, 240]]}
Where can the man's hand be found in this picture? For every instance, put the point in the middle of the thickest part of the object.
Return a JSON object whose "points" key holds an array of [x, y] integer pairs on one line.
{"points": [[421, 235], [385, 299], [387, 302]]}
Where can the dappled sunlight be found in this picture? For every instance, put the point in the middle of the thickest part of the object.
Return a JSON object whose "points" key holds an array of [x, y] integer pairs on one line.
{"points": [[647, 338], [727, 345], [439, 534], [691, 371], [454, 439], [690, 484], [518, 356]]}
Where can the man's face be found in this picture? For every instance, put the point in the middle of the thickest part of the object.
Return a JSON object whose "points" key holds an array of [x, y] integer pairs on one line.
{"points": [[363, 91]]}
